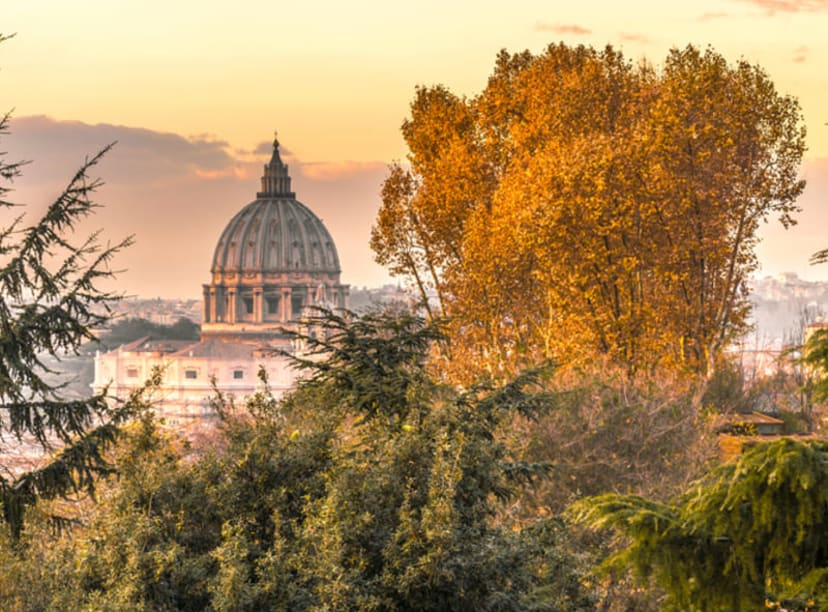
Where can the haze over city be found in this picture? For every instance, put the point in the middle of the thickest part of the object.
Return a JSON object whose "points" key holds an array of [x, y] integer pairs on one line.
{"points": [[192, 92]]}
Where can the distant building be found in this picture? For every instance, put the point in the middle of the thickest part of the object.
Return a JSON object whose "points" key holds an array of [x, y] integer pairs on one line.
{"points": [[274, 259]]}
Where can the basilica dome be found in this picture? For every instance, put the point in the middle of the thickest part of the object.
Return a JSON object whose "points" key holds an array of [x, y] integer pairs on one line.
{"points": [[274, 259], [275, 232]]}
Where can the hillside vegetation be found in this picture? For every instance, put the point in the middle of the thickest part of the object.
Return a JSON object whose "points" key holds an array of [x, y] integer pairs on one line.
{"points": [[539, 433]]}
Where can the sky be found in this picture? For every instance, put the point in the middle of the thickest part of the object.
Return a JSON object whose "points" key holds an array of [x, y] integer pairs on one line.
{"points": [[192, 92]]}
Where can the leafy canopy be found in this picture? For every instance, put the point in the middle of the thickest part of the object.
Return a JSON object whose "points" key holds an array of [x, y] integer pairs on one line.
{"points": [[582, 203]]}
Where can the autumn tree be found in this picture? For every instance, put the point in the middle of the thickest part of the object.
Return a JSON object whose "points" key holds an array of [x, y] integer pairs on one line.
{"points": [[50, 302], [582, 204]]}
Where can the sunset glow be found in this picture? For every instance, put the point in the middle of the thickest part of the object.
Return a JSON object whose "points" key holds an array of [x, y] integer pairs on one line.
{"points": [[193, 90]]}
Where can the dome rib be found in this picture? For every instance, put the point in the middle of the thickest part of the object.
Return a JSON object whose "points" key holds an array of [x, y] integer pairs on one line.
{"points": [[301, 242], [245, 249]]}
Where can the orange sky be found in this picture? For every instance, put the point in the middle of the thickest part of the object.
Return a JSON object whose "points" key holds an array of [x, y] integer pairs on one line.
{"points": [[192, 89]]}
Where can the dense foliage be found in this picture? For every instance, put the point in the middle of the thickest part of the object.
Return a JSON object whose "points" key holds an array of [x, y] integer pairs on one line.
{"points": [[612, 434], [372, 487], [751, 532], [129, 330]]}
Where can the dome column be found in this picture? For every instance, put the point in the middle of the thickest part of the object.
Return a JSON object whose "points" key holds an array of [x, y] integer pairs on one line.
{"points": [[286, 305], [206, 314], [232, 305], [220, 302], [214, 314], [257, 305]]}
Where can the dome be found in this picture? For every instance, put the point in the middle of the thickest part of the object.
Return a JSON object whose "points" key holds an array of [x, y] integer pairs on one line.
{"points": [[273, 262], [275, 233]]}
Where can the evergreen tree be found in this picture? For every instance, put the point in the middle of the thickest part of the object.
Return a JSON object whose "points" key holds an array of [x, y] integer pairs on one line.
{"points": [[752, 533], [413, 516], [815, 349], [50, 301]]}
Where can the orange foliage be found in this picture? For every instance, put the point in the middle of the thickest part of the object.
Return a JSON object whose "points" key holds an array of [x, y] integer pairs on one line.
{"points": [[582, 204]]}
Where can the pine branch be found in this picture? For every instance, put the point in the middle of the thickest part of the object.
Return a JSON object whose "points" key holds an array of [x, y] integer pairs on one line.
{"points": [[50, 303]]}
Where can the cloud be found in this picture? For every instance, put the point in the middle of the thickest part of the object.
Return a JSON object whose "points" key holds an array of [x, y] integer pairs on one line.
{"points": [[800, 55], [772, 7], [334, 171], [630, 37], [560, 28], [155, 156], [265, 147], [238, 171], [712, 16], [176, 194]]}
